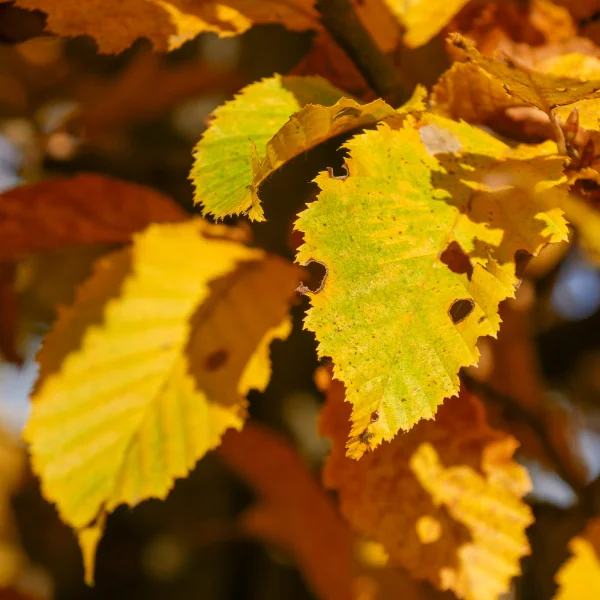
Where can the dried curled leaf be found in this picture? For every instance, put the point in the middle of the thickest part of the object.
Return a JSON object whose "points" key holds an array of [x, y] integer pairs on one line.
{"points": [[541, 90], [579, 577], [86, 209], [115, 25], [434, 219], [139, 378], [444, 499], [267, 124]]}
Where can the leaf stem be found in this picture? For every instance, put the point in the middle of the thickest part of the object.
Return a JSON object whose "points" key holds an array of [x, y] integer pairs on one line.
{"points": [[343, 24]]}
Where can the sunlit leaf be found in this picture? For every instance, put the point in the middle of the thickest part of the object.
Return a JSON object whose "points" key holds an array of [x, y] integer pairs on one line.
{"points": [[115, 25], [421, 243], [151, 364], [444, 499], [541, 90], [579, 577], [267, 124]]}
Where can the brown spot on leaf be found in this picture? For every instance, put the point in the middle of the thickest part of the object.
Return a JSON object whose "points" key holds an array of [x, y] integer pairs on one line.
{"points": [[216, 360], [461, 309], [374, 416], [455, 258]]}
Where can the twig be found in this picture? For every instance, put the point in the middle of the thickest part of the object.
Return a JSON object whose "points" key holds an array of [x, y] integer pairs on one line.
{"points": [[344, 26], [561, 465]]}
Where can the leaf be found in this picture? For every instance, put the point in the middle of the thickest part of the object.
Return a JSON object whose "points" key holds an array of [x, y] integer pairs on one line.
{"points": [[538, 89], [579, 577], [423, 19], [267, 124], [433, 222], [86, 209], [465, 92], [167, 23], [139, 378], [444, 499]]}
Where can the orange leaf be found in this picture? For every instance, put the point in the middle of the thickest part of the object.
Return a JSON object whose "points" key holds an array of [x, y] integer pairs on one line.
{"points": [[87, 209], [443, 499], [116, 24], [294, 512]]}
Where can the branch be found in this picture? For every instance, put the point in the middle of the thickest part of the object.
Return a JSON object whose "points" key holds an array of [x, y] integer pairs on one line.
{"points": [[341, 21], [562, 464]]}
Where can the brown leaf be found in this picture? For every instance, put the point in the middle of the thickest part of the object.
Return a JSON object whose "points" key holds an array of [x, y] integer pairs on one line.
{"points": [[8, 315], [293, 512], [86, 209], [116, 24]]}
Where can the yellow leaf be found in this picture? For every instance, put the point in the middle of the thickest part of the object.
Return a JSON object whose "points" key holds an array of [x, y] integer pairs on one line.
{"points": [[423, 19], [579, 577], [115, 25], [139, 378], [582, 67], [267, 124], [444, 499], [434, 221], [86, 209], [541, 90]]}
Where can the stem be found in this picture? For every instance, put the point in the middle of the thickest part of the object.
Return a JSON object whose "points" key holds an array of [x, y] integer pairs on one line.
{"points": [[341, 21]]}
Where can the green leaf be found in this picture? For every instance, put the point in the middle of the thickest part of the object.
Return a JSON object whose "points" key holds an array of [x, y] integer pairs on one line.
{"points": [[421, 243], [266, 125]]}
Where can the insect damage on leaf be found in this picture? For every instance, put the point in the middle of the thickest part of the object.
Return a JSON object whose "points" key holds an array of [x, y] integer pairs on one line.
{"points": [[396, 320]]}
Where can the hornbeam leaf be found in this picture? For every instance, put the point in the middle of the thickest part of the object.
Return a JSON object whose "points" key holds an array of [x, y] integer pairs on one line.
{"points": [[422, 241], [445, 500], [267, 124], [149, 367]]}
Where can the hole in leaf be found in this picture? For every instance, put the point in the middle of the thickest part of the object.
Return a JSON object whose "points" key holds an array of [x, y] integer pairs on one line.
{"points": [[340, 177], [456, 260], [317, 275], [216, 360], [374, 416], [461, 309]]}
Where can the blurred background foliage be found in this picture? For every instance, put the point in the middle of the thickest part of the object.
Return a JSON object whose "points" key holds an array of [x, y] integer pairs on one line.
{"points": [[66, 109]]}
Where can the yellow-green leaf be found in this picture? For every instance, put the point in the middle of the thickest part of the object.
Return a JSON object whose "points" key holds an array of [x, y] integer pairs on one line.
{"points": [[434, 221], [149, 367], [266, 125], [541, 90]]}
